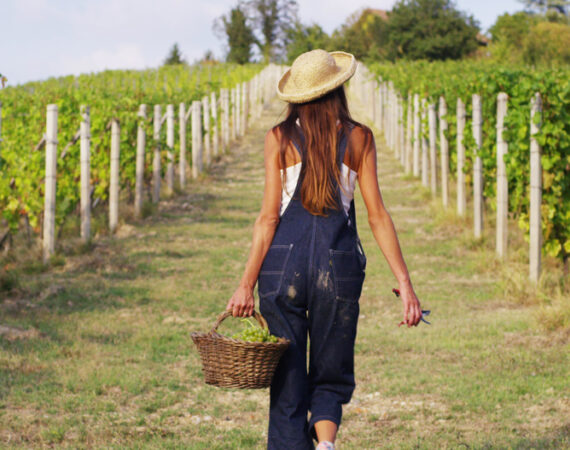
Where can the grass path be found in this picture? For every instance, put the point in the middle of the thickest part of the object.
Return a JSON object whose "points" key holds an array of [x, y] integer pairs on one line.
{"points": [[107, 360]]}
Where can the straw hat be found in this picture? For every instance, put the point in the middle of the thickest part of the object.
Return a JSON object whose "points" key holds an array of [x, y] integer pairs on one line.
{"points": [[315, 73]]}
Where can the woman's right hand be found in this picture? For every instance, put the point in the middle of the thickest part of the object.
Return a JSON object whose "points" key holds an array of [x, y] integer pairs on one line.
{"points": [[242, 302]]}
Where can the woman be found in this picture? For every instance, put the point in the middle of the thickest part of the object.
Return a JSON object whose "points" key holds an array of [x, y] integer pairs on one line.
{"points": [[306, 255]]}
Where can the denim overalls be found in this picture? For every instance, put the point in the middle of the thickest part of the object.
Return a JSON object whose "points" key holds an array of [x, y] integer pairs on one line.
{"points": [[310, 281]]}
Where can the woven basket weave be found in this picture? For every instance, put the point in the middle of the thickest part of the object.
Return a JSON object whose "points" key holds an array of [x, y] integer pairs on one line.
{"points": [[228, 362]]}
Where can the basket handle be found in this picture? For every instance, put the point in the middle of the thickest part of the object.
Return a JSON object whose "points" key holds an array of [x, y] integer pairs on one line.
{"points": [[226, 314]]}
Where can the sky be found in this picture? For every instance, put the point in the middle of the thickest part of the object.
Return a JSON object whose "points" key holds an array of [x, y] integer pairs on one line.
{"points": [[44, 38]]}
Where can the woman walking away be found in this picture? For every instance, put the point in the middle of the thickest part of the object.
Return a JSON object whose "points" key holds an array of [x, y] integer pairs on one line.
{"points": [[306, 255]]}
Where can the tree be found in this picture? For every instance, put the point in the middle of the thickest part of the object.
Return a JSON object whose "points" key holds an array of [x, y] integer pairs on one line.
{"points": [[208, 58], [303, 38], [3, 80], [509, 34], [430, 29], [271, 21], [530, 39], [238, 33], [543, 6], [365, 34], [548, 44], [174, 57]]}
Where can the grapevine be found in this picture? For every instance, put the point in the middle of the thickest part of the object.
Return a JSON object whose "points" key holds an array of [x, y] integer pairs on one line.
{"points": [[110, 94], [461, 79]]}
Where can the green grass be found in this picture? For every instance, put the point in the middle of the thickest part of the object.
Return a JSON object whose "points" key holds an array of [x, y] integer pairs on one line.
{"points": [[111, 364]]}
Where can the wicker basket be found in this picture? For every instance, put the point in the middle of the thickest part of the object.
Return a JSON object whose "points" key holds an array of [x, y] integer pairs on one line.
{"points": [[228, 362]]}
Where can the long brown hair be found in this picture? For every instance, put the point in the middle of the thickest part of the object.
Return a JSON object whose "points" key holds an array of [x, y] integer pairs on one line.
{"points": [[320, 173]]}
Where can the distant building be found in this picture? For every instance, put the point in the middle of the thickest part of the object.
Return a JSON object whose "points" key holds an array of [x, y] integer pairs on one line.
{"points": [[383, 14], [483, 40]]}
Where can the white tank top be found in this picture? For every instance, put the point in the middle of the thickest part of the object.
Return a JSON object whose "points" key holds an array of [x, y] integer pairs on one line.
{"points": [[347, 179]]}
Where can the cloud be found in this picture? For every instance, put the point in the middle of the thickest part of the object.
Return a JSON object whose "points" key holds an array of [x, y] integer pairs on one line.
{"points": [[123, 56], [32, 10]]}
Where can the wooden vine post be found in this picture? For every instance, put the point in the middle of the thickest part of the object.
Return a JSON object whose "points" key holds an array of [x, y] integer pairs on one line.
{"points": [[196, 139], [502, 182], [380, 108], [432, 123], [114, 176], [182, 120], [170, 148], [225, 119], [372, 102], [238, 110], [214, 111], [461, 197], [402, 133], [253, 97], [423, 137], [535, 191], [386, 111], [245, 106], [234, 115], [416, 159], [377, 108], [139, 168], [408, 145], [156, 169], [206, 121], [390, 117], [84, 161], [477, 167], [48, 243], [444, 152], [395, 114], [393, 122]]}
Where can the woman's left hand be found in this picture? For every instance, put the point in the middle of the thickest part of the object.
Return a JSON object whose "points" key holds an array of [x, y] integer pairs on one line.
{"points": [[412, 308], [242, 302]]}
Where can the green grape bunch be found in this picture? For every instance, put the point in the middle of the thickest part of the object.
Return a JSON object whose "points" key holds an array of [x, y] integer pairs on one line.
{"points": [[254, 333]]}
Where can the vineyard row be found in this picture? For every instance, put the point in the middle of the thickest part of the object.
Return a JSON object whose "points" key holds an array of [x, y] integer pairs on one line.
{"points": [[209, 131], [410, 128]]}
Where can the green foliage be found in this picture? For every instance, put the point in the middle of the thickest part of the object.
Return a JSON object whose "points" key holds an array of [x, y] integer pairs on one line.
{"points": [[304, 38], [454, 80], [364, 35], [548, 6], [263, 23], [512, 28], [3, 80], [174, 57], [548, 43], [109, 94], [530, 39], [272, 19], [430, 29], [239, 35]]}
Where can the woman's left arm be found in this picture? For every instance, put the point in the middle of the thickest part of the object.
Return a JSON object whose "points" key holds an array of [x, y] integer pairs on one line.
{"points": [[384, 231], [242, 302]]}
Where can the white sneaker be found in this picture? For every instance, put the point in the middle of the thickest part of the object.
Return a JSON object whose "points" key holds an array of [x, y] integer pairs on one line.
{"points": [[325, 445]]}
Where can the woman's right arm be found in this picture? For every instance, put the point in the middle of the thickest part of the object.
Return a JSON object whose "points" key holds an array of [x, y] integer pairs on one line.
{"points": [[242, 302]]}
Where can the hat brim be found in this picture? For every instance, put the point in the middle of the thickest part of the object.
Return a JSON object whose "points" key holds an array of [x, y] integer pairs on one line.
{"points": [[288, 92]]}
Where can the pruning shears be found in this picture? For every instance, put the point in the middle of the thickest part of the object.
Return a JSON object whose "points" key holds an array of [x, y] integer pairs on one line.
{"points": [[425, 312]]}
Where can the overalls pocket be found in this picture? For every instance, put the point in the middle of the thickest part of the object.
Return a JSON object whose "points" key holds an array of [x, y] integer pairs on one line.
{"points": [[272, 269], [348, 273]]}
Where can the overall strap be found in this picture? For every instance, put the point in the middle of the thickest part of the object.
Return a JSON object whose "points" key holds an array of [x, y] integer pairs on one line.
{"points": [[343, 145]]}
